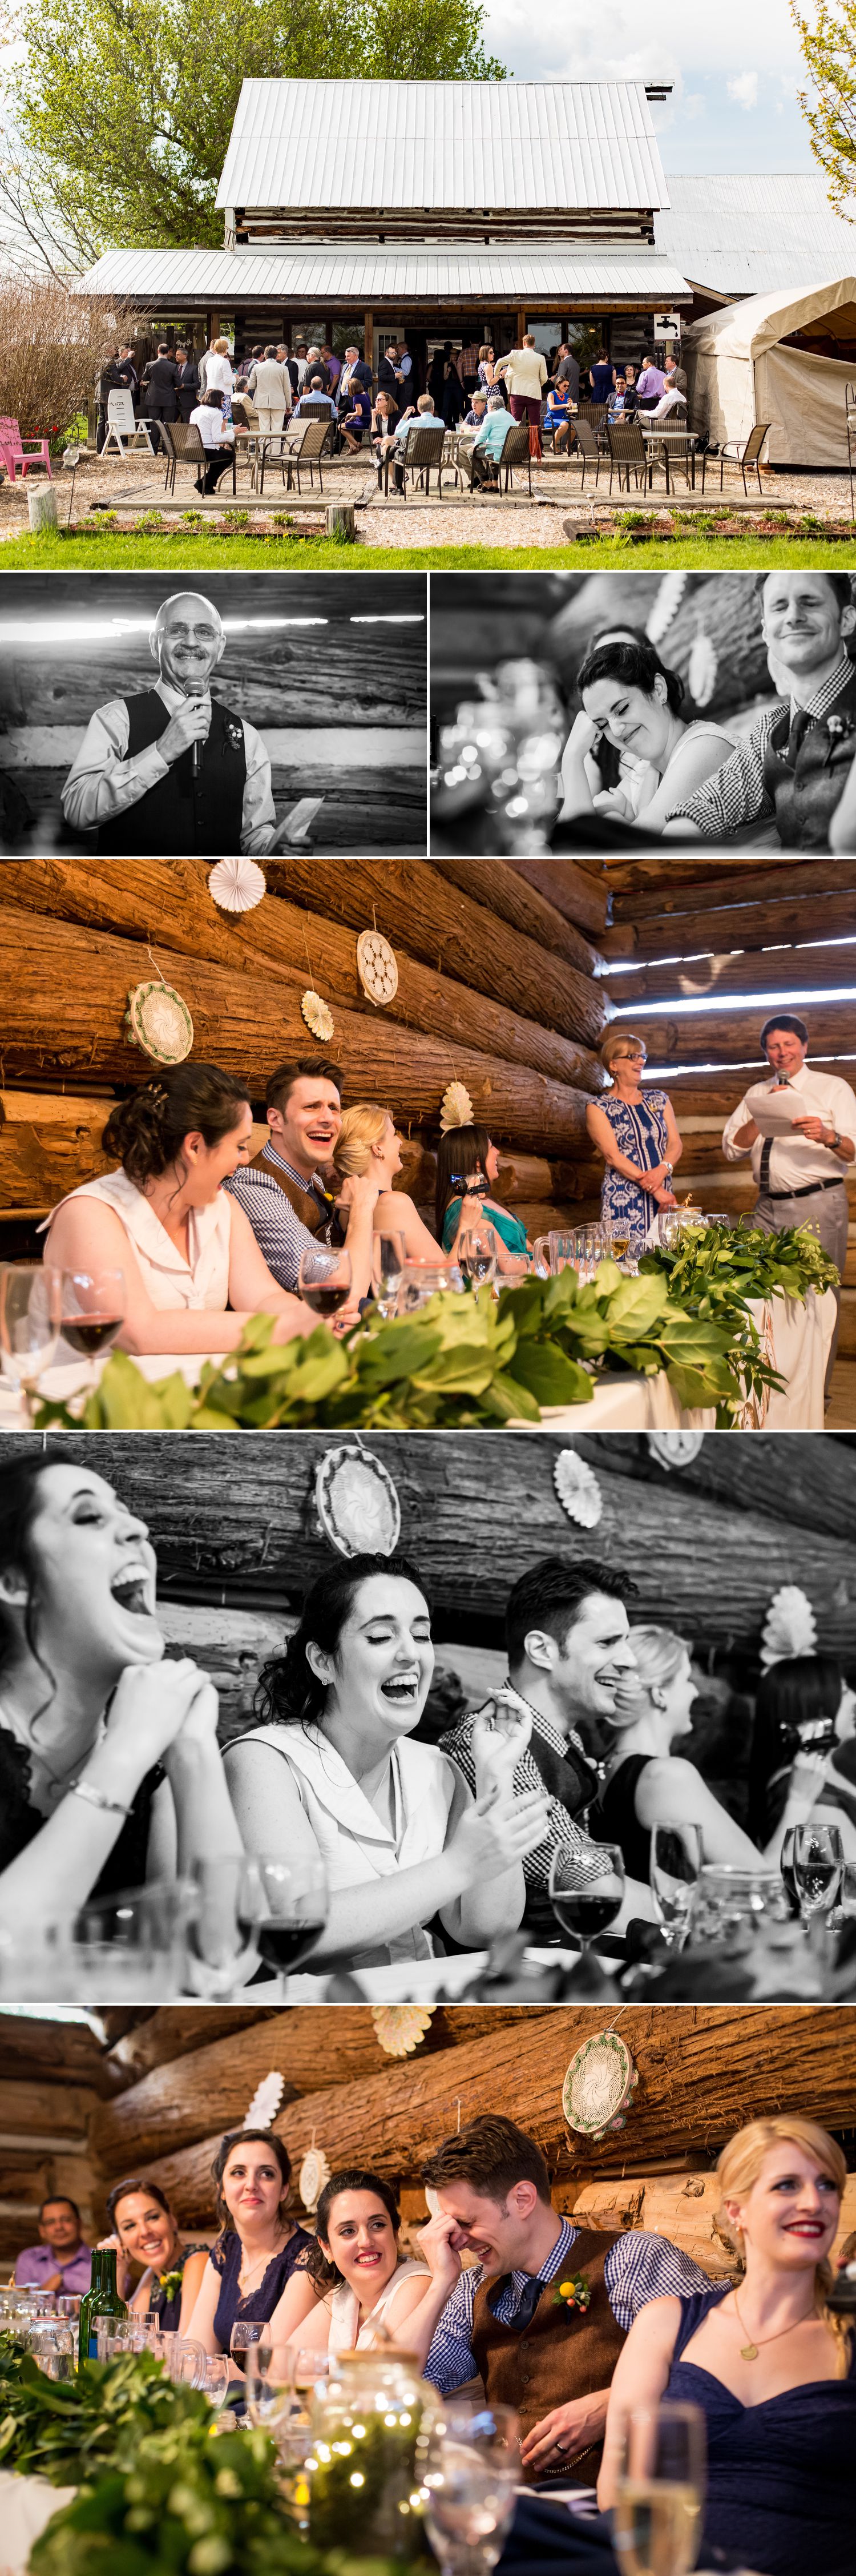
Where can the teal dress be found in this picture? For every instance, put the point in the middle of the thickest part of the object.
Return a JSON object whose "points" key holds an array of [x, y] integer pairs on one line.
{"points": [[512, 1232]]}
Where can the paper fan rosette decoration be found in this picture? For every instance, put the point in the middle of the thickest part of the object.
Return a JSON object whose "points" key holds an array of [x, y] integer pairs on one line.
{"points": [[376, 966], [313, 2175], [357, 1503], [237, 885], [578, 1489], [159, 1022], [317, 1014], [598, 2089], [399, 2028], [456, 1108], [265, 2102], [789, 1627]]}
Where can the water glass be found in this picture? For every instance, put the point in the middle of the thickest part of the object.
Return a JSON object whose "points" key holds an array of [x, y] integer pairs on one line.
{"points": [[730, 1902], [676, 1859], [30, 1311], [268, 2381], [659, 2452], [469, 2472], [818, 1863], [477, 1255], [216, 2381], [388, 1261], [424, 1279], [51, 2343], [185, 2362], [669, 1228]]}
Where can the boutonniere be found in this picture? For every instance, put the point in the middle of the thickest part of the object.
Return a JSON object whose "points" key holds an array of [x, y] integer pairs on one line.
{"points": [[575, 2293], [170, 2283], [838, 726]]}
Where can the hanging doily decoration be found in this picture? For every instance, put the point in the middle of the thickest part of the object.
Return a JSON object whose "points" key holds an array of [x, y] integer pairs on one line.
{"points": [[159, 1022], [314, 2174], [357, 1503], [265, 2102], [674, 1448], [399, 2028], [789, 1627], [578, 1489], [456, 1108], [666, 605], [376, 967], [598, 2089], [237, 885], [702, 670], [317, 1014]]}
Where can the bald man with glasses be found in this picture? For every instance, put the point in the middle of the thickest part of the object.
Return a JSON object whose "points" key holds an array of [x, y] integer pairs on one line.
{"points": [[172, 770]]}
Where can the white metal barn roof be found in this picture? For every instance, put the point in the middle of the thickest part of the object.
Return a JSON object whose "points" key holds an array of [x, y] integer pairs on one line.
{"points": [[310, 272], [753, 236], [496, 144]]}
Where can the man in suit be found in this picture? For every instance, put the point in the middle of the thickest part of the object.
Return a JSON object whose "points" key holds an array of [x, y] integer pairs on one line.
{"points": [[354, 372], [390, 376], [187, 388], [567, 372], [160, 384], [172, 768], [269, 387]]}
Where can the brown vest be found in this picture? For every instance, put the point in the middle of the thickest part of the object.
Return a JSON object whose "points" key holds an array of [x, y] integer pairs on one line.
{"points": [[564, 2353], [304, 1202]]}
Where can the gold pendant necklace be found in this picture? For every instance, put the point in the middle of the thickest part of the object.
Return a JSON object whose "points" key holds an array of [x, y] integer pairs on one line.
{"points": [[750, 2351]]}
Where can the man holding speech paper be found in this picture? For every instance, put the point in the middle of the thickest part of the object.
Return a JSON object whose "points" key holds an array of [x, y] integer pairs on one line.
{"points": [[800, 1129]]}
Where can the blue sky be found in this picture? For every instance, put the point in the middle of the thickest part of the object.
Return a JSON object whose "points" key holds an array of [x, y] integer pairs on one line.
{"points": [[736, 71]]}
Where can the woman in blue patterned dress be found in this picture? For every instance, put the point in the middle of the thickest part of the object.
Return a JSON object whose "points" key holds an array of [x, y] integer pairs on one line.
{"points": [[636, 1134]]}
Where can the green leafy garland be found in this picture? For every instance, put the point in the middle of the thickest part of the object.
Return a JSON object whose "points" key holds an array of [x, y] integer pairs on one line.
{"points": [[717, 1273], [464, 1361]]}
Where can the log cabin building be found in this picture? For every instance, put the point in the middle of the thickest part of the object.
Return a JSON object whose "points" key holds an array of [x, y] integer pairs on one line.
{"points": [[152, 2092]]}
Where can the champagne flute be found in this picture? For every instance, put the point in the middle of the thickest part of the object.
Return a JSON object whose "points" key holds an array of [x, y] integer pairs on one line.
{"points": [[470, 2469], [93, 1312], [586, 1900], [30, 1310], [324, 1279], [818, 1862], [656, 2518], [388, 1259], [283, 1909], [676, 1858], [477, 1255]]}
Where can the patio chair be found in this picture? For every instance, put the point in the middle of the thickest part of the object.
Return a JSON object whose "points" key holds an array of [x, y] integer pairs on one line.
{"points": [[313, 409], [671, 446], [122, 424], [422, 448], [732, 453], [516, 452], [627, 452], [185, 446], [304, 444], [15, 455], [595, 414]]}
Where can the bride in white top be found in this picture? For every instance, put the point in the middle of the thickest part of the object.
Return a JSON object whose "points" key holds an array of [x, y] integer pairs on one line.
{"points": [[334, 1773], [355, 2289], [187, 1250], [629, 696]]}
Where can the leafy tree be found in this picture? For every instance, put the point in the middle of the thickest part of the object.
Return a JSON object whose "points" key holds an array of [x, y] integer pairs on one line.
{"points": [[829, 49], [123, 109]]}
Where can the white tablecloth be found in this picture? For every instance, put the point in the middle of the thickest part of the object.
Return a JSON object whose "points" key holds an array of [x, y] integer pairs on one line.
{"points": [[26, 2504]]}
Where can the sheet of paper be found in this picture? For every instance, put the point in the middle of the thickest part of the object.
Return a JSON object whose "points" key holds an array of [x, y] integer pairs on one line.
{"points": [[773, 1111]]}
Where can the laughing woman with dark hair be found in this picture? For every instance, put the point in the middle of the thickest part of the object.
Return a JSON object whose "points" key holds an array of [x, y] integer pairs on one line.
{"points": [[110, 1771], [333, 1773], [631, 697], [146, 2232]]}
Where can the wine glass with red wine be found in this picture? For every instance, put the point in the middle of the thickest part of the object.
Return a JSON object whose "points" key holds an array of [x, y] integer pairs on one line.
{"points": [[586, 1900], [283, 1909], [324, 1279], [93, 1312]]}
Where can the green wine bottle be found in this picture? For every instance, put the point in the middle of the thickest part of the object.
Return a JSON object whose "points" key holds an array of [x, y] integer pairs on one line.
{"points": [[102, 2300]]}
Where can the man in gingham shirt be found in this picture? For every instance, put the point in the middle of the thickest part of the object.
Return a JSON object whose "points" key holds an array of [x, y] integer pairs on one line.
{"points": [[567, 1637], [492, 2192], [284, 1192], [796, 761]]}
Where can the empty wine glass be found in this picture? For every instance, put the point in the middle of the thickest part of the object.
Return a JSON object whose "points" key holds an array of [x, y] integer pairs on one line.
{"points": [[676, 1858], [477, 1255], [469, 2472], [93, 1312], [586, 1897], [284, 1907], [324, 1279], [30, 1310], [661, 2462], [216, 2380], [818, 1862], [388, 1259], [268, 2381]]}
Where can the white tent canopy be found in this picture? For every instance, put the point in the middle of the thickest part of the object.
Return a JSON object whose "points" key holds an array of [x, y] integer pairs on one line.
{"points": [[741, 372]]}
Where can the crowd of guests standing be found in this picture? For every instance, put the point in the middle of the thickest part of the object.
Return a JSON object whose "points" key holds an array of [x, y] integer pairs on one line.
{"points": [[766, 2354]]}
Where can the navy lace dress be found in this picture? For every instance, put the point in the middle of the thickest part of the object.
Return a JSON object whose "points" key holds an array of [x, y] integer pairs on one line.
{"points": [[781, 2478], [640, 1134], [261, 2300]]}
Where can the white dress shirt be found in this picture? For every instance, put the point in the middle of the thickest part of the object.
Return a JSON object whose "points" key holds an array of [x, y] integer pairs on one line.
{"points": [[218, 372], [796, 1162], [102, 781], [215, 432]]}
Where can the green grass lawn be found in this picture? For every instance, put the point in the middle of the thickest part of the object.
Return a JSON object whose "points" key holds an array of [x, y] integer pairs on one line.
{"points": [[221, 554]]}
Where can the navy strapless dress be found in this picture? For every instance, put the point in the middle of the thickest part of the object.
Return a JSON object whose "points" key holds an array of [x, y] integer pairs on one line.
{"points": [[781, 2476]]}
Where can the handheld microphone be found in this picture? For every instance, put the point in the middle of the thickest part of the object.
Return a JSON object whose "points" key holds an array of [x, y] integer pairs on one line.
{"points": [[196, 752]]}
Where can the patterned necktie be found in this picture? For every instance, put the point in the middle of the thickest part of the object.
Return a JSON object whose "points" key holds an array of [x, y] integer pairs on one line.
{"points": [[527, 2300]]}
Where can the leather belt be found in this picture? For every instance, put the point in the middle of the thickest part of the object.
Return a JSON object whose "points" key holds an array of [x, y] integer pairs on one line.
{"points": [[809, 1192]]}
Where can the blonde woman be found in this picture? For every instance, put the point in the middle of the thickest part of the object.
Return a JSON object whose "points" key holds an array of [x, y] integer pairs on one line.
{"points": [[770, 2367], [649, 1781], [367, 1142], [636, 1135]]}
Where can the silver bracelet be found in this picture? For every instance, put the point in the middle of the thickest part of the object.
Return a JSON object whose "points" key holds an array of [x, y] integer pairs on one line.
{"points": [[84, 1789]]}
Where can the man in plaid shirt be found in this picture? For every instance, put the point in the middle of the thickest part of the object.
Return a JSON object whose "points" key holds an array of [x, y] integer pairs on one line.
{"points": [[568, 1641], [794, 765]]}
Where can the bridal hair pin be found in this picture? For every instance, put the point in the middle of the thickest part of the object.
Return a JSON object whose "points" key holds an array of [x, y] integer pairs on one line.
{"points": [[456, 1108], [266, 2101], [789, 1628]]}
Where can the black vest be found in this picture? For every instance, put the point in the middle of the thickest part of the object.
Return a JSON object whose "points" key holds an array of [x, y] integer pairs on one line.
{"points": [[807, 788], [186, 811]]}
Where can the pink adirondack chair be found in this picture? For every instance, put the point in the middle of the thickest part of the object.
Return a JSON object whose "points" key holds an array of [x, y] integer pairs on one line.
{"points": [[15, 455]]}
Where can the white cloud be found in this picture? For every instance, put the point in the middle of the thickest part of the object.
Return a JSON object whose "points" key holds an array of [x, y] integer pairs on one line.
{"points": [[695, 44], [744, 90]]}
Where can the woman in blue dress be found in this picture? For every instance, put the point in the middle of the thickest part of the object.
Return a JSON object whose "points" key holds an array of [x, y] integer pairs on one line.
{"points": [[637, 1135], [260, 2245], [771, 2368]]}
